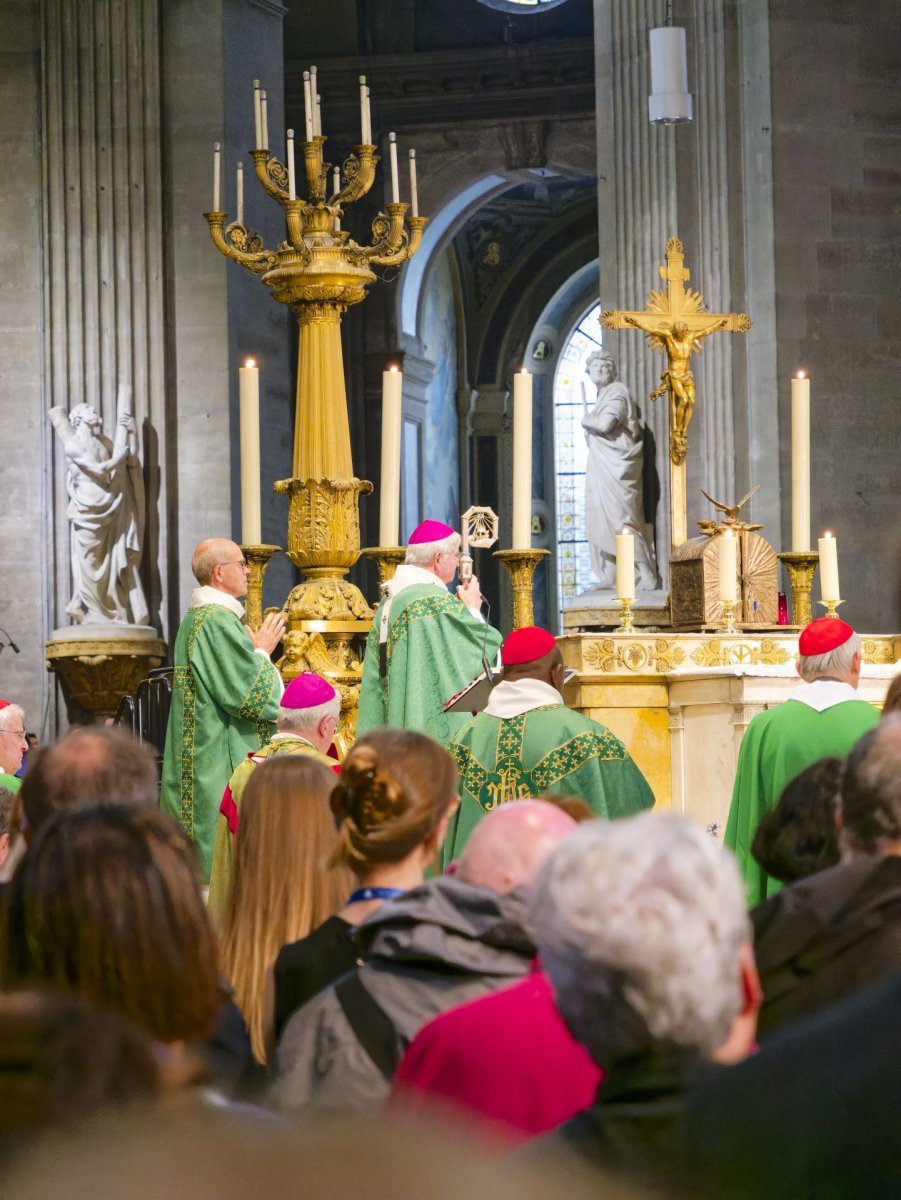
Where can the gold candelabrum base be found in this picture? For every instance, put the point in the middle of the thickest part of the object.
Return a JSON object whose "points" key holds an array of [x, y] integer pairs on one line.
{"points": [[627, 617], [830, 607], [728, 625], [257, 559], [801, 565], [520, 565], [328, 616], [387, 559]]}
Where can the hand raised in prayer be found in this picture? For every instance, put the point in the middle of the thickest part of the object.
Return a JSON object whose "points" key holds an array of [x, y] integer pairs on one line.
{"points": [[270, 633], [470, 593]]}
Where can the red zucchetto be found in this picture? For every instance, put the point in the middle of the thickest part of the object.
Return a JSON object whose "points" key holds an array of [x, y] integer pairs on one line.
{"points": [[526, 645], [823, 636]]}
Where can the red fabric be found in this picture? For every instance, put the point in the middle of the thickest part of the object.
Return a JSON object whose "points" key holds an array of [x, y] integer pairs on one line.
{"points": [[526, 645], [307, 691], [823, 635], [507, 1056], [5, 703], [229, 810], [430, 531]]}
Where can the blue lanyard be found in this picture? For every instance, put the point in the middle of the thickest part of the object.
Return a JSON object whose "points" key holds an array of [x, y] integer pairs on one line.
{"points": [[375, 893]]}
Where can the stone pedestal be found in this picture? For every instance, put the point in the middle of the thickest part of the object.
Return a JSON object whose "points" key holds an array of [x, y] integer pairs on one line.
{"points": [[99, 664]]}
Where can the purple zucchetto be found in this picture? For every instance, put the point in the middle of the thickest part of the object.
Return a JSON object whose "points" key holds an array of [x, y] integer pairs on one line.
{"points": [[307, 691]]}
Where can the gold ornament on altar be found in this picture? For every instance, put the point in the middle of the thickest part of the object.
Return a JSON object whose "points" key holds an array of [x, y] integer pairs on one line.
{"points": [[319, 270], [694, 575], [676, 322]]}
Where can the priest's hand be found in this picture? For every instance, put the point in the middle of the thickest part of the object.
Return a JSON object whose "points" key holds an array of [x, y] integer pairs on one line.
{"points": [[470, 593], [270, 633]]}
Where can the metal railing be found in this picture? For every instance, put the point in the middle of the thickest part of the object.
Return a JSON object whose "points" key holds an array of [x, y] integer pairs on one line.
{"points": [[146, 713]]}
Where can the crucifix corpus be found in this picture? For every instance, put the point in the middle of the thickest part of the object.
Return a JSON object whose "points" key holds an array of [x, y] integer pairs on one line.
{"points": [[676, 323]]}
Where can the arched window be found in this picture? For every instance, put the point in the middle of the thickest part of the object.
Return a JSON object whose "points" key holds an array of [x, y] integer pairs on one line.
{"points": [[573, 390]]}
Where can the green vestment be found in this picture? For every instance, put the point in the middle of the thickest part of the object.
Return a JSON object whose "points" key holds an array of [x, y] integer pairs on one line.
{"points": [[550, 749], [11, 782], [223, 853], [433, 650], [778, 745], [225, 701]]}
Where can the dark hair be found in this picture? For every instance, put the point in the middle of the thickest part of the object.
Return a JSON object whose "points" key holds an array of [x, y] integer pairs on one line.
{"points": [[893, 697], [871, 789], [394, 788], [62, 1060], [95, 765], [7, 800], [799, 837], [107, 902]]}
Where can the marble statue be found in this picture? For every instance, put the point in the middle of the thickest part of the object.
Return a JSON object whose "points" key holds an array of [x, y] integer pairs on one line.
{"points": [[106, 514], [613, 476]]}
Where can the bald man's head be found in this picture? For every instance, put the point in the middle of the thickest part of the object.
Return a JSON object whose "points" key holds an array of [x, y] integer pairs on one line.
{"points": [[219, 563], [548, 668], [508, 847]]}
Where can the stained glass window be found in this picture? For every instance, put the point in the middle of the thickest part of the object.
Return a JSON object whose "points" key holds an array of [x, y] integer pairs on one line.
{"points": [[572, 391]]}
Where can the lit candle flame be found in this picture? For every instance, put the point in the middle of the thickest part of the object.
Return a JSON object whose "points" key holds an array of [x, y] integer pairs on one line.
{"points": [[251, 362]]}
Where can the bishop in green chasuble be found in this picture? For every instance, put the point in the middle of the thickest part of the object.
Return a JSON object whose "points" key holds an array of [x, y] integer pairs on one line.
{"points": [[225, 699], [822, 718], [528, 743], [425, 645]]}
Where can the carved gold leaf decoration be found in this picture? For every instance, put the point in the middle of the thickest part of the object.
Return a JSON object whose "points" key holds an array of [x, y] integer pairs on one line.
{"points": [[667, 655], [716, 653], [877, 652], [607, 655]]}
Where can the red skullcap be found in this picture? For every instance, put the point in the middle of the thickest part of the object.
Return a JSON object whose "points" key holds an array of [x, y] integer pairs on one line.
{"points": [[526, 645], [307, 691], [823, 635], [4, 703], [430, 531]]}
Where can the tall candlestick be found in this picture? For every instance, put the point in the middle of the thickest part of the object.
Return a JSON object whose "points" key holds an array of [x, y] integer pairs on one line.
{"points": [[257, 121], [217, 163], [249, 408], [800, 463], [239, 172], [264, 121], [728, 562], [364, 111], [522, 461], [414, 193], [828, 548], [395, 184], [625, 566], [292, 194], [389, 500], [307, 106]]}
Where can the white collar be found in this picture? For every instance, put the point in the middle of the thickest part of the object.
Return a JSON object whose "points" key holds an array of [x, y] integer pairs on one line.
{"points": [[513, 698], [824, 693], [210, 595], [404, 577]]}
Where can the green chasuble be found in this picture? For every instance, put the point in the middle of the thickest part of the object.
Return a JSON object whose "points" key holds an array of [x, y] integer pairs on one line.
{"points": [[778, 745], [10, 782], [223, 853], [547, 750], [433, 650], [225, 701]]}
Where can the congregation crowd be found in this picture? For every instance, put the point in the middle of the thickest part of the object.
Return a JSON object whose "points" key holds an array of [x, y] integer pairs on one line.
{"points": [[464, 951]]}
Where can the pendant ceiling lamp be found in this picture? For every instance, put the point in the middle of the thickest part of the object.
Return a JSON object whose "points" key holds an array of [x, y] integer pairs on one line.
{"points": [[670, 100]]}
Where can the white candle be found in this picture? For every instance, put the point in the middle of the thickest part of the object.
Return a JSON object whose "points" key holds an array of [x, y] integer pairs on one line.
{"points": [[318, 115], [389, 500], [336, 180], [522, 461], [828, 548], [313, 99], [217, 162], [800, 463], [257, 118], [364, 105], [368, 141], [728, 562], [292, 194], [240, 190], [249, 407], [414, 194], [392, 152], [625, 566], [307, 106], [264, 121]]}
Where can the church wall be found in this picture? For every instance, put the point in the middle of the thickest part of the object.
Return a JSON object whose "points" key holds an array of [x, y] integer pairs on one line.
{"points": [[837, 167], [25, 610]]}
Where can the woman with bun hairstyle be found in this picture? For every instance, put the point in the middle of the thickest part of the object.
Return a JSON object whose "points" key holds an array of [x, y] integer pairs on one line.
{"points": [[284, 883], [392, 803]]}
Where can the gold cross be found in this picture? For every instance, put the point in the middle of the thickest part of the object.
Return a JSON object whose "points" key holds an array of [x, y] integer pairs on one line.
{"points": [[676, 323]]}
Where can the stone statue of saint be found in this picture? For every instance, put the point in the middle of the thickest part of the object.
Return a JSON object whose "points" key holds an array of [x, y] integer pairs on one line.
{"points": [[106, 514], [613, 476]]}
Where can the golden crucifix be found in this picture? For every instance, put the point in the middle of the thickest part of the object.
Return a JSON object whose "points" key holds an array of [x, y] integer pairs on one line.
{"points": [[676, 323]]}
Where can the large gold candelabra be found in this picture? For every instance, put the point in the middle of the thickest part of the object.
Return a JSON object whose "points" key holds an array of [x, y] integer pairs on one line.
{"points": [[319, 271]]}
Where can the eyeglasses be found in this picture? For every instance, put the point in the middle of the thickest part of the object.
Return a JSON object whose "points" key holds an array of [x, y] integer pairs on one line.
{"points": [[19, 733], [241, 562]]}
